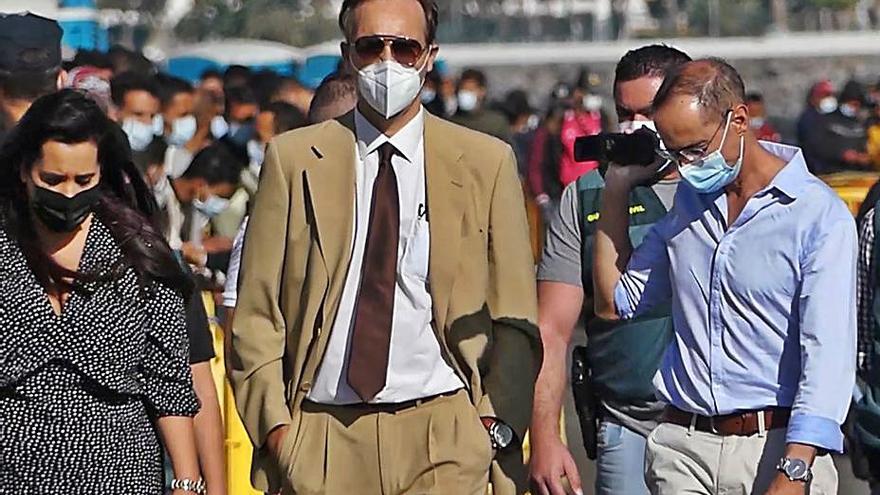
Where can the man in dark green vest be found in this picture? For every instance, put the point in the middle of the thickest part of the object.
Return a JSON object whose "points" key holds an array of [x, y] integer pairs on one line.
{"points": [[621, 357]]}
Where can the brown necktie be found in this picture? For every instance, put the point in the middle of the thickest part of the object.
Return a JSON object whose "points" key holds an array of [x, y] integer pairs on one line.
{"points": [[371, 338]]}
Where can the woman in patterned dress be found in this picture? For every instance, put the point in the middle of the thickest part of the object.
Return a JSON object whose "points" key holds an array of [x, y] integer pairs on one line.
{"points": [[94, 372]]}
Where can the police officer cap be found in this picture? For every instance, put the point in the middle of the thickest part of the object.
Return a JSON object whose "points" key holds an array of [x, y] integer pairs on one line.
{"points": [[29, 42]]}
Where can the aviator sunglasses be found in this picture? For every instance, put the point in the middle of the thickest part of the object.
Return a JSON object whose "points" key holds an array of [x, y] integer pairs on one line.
{"points": [[406, 51]]}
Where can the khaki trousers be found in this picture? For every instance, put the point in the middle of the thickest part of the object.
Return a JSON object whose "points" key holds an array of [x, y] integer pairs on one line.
{"points": [[439, 447], [680, 461]]}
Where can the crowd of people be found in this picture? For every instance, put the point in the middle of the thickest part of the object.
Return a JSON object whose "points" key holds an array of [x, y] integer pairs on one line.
{"points": [[368, 248]]}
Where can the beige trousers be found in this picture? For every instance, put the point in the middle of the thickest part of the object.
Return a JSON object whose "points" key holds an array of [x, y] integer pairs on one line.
{"points": [[439, 447], [679, 461]]}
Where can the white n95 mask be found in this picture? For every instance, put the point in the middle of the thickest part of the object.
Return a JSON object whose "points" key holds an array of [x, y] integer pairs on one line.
{"points": [[389, 87]]}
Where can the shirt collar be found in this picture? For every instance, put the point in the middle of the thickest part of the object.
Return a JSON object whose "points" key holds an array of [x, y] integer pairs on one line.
{"points": [[794, 176], [406, 141]]}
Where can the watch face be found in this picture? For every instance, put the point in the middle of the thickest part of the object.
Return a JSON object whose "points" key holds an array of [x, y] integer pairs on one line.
{"points": [[796, 469], [503, 435]]}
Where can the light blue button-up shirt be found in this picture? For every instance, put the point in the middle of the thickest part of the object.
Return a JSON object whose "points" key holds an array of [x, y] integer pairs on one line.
{"points": [[764, 310]]}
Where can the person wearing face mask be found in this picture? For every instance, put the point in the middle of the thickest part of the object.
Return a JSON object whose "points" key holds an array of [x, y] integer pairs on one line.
{"points": [[471, 108], [764, 130], [585, 118], [431, 97], [95, 378], [842, 137], [194, 199], [546, 152], [136, 99], [619, 410], [821, 100], [386, 317], [185, 122], [242, 108], [757, 259]]}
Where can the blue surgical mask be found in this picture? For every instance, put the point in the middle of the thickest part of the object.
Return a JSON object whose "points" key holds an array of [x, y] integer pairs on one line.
{"points": [[140, 135], [240, 134], [468, 101], [212, 206], [219, 127], [827, 104], [182, 130], [712, 173], [848, 110], [428, 95]]}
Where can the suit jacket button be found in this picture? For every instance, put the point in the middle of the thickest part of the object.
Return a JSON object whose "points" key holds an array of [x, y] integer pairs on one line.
{"points": [[305, 387]]}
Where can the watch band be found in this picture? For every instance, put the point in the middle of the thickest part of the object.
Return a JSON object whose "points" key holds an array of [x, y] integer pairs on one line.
{"points": [[188, 485]]}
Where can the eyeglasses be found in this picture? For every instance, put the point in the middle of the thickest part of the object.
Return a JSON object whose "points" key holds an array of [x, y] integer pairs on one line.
{"points": [[694, 152], [407, 51]]}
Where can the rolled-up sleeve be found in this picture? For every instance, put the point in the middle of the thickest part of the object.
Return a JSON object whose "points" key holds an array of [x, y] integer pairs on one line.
{"points": [[827, 311], [645, 284]]}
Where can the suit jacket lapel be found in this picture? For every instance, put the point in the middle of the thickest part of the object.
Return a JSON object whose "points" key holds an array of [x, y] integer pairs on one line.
{"points": [[446, 202], [331, 187]]}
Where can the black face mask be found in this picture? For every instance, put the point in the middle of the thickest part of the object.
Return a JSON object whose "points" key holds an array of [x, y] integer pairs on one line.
{"points": [[60, 213]]}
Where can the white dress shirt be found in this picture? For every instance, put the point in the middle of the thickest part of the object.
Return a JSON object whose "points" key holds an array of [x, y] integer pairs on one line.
{"points": [[416, 368], [230, 288]]}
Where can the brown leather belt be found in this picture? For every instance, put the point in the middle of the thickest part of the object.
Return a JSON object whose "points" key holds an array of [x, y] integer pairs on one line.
{"points": [[744, 423]]}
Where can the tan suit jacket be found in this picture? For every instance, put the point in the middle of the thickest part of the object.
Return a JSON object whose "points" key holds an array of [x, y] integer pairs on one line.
{"points": [[297, 252]]}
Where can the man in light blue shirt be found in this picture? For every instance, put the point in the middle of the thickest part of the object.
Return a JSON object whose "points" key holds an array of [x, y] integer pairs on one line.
{"points": [[758, 259]]}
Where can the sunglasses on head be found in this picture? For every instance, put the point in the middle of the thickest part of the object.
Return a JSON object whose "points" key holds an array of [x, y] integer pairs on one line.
{"points": [[406, 51]]}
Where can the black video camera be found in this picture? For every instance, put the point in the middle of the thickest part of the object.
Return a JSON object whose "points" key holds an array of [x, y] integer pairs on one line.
{"points": [[638, 148]]}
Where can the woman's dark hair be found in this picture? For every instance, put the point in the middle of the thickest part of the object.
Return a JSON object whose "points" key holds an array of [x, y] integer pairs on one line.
{"points": [[126, 207]]}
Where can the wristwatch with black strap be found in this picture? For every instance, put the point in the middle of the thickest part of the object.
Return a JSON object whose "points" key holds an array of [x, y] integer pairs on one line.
{"points": [[501, 434]]}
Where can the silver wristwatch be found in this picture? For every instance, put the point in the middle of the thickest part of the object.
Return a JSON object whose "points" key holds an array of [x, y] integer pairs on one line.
{"points": [[795, 469], [501, 435], [188, 485]]}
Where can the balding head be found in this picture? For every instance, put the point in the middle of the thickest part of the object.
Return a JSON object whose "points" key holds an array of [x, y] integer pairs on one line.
{"points": [[712, 83]]}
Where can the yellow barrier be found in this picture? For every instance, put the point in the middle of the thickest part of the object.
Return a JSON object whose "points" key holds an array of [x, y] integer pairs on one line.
{"points": [[238, 445], [852, 187]]}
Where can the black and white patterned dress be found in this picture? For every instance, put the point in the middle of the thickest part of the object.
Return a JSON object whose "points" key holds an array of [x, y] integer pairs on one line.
{"points": [[80, 392]]}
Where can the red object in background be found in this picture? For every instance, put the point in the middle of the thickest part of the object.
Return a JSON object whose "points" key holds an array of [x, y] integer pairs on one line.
{"points": [[767, 133], [575, 125]]}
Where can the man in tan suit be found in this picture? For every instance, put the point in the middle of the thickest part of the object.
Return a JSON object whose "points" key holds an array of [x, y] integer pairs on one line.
{"points": [[385, 339]]}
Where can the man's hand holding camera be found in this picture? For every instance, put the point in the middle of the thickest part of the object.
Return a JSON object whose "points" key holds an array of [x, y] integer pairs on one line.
{"points": [[625, 177]]}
